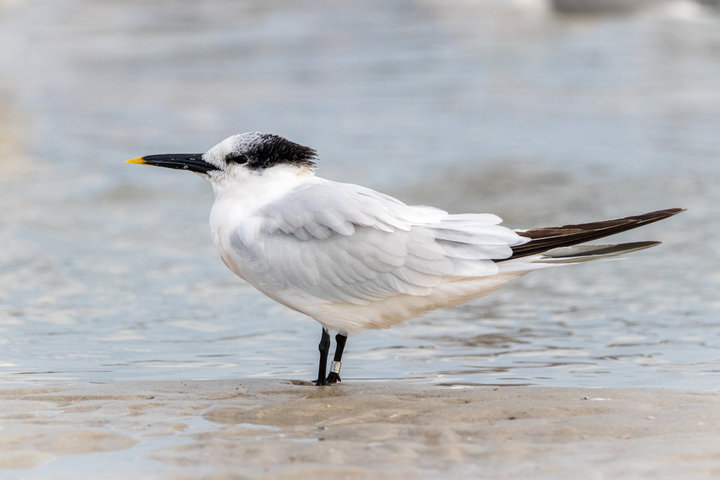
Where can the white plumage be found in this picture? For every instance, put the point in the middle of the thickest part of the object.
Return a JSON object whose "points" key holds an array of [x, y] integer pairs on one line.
{"points": [[353, 258], [319, 246]]}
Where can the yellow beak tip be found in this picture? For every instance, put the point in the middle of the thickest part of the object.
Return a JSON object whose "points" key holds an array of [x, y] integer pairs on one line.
{"points": [[138, 160]]}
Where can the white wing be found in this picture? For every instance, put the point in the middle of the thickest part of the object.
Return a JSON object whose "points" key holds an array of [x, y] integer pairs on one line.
{"points": [[332, 242]]}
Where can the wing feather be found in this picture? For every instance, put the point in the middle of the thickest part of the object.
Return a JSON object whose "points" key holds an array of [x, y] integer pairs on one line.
{"points": [[334, 242]]}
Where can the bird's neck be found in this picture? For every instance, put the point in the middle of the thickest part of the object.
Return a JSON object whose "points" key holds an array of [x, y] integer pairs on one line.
{"points": [[247, 190]]}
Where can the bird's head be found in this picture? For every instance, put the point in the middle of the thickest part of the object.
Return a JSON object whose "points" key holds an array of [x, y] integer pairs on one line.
{"points": [[237, 156]]}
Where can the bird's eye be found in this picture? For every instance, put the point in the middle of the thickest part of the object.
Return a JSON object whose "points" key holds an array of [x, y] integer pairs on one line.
{"points": [[239, 158]]}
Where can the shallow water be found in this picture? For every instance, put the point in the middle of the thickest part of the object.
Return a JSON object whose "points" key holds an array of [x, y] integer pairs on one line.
{"points": [[107, 271]]}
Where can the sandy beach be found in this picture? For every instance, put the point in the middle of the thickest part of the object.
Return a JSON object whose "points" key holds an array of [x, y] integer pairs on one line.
{"points": [[283, 429]]}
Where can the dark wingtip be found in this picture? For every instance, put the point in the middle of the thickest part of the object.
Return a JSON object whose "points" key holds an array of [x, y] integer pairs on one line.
{"points": [[671, 211], [547, 238]]}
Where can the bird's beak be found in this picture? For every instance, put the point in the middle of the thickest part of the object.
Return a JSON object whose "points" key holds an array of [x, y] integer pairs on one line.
{"points": [[180, 161]]}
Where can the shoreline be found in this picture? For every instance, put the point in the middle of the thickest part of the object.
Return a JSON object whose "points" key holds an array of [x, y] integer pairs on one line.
{"points": [[225, 429]]}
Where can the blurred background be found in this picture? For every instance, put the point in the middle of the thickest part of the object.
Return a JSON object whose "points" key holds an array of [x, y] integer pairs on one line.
{"points": [[544, 112]]}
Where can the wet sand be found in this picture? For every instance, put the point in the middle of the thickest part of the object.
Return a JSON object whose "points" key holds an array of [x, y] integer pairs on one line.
{"points": [[280, 429]]}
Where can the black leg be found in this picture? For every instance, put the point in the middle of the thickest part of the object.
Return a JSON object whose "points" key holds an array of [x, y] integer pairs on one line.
{"points": [[334, 375], [324, 347]]}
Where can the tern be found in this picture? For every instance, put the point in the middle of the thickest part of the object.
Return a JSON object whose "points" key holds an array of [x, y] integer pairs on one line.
{"points": [[354, 259]]}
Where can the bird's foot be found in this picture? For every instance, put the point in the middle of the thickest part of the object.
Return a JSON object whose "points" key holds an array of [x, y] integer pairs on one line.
{"points": [[333, 378]]}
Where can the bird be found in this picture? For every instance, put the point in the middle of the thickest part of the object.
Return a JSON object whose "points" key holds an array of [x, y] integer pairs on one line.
{"points": [[353, 258]]}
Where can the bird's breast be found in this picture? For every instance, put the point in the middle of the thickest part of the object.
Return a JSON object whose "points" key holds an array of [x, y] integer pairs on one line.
{"points": [[226, 254], [225, 221]]}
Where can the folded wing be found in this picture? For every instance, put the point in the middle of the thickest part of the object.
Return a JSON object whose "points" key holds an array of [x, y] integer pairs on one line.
{"points": [[337, 242]]}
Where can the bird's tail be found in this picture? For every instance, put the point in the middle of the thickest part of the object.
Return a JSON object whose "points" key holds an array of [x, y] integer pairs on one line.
{"points": [[560, 245]]}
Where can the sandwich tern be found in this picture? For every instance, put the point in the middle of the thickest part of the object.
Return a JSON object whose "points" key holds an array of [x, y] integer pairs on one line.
{"points": [[352, 258]]}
